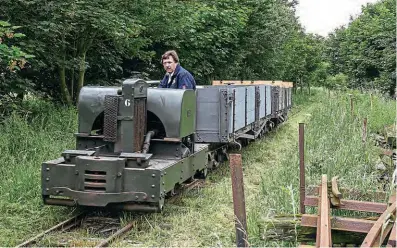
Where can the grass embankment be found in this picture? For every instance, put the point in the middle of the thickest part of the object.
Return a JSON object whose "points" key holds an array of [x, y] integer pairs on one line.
{"points": [[204, 216], [26, 142]]}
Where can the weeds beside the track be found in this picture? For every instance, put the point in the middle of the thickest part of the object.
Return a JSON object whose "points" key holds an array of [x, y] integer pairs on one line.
{"points": [[26, 142], [333, 146], [204, 216]]}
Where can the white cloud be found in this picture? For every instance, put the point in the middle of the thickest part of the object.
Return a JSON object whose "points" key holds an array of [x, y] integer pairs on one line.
{"points": [[323, 16]]}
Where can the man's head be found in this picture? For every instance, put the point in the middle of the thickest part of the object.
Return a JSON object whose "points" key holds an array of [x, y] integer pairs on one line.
{"points": [[170, 60]]}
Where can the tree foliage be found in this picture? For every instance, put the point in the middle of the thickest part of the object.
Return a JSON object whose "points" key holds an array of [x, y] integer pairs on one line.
{"points": [[12, 60], [76, 43], [365, 50]]}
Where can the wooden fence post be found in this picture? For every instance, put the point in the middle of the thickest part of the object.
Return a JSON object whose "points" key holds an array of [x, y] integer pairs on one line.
{"points": [[239, 200]]}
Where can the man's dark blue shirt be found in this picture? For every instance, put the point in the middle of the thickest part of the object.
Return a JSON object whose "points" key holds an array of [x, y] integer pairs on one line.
{"points": [[181, 79]]}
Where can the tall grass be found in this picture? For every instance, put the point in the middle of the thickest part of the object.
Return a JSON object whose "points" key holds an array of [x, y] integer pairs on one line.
{"points": [[333, 146], [26, 142], [204, 216]]}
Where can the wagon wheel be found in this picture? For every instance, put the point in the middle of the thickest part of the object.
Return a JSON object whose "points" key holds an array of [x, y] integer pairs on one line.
{"points": [[212, 162]]}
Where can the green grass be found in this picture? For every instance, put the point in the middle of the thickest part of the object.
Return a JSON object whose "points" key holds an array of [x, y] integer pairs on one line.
{"points": [[203, 216], [26, 142]]}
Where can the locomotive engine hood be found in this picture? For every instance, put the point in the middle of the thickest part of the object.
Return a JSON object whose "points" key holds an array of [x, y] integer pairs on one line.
{"points": [[175, 108]]}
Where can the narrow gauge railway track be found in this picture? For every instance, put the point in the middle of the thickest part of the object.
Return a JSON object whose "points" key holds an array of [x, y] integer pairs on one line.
{"points": [[80, 221], [77, 221]]}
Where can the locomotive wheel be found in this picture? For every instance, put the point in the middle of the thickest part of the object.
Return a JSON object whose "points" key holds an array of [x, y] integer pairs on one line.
{"points": [[191, 179], [202, 174], [174, 191]]}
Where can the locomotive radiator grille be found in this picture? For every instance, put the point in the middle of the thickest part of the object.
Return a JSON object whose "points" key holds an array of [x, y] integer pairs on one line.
{"points": [[139, 122], [95, 181], [110, 118]]}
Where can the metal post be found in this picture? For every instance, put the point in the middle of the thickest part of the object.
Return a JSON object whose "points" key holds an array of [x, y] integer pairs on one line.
{"points": [[364, 130], [239, 200], [302, 167]]}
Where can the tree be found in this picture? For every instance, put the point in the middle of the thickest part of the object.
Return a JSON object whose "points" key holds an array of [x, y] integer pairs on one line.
{"points": [[12, 60], [63, 33], [365, 50]]}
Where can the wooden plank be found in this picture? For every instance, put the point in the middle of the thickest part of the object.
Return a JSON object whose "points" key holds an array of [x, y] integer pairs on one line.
{"points": [[393, 236], [250, 82], [323, 238], [291, 228], [226, 82], [264, 82], [340, 224], [373, 207], [373, 238], [239, 82]]}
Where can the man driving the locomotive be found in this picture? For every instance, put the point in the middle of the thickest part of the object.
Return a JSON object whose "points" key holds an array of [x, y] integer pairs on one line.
{"points": [[176, 76]]}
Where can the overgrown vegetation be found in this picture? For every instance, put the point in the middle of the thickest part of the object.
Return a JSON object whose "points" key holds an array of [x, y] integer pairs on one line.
{"points": [[365, 50], [26, 142], [49, 50], [204, 216], [334, 146], [101, 42], [77, 43]]}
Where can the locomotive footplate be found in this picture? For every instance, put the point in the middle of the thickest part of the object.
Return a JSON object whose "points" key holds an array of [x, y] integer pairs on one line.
{"points": [[88, 180]]}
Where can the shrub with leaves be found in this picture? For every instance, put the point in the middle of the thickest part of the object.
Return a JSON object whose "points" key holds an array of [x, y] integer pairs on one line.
{"points": [[12, 60]]}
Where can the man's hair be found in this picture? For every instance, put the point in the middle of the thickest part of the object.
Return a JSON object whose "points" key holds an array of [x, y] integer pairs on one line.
{"points": [[171, 53]]}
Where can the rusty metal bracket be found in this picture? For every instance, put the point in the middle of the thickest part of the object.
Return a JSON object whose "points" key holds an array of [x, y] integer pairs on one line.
{"points": [[373, 207], [336, 195]]}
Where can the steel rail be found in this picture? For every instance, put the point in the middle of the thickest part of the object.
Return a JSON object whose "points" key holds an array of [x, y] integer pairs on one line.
{"points": [[73, 222], [375, 236], [68, 222], [129, 226], [117, 234]]}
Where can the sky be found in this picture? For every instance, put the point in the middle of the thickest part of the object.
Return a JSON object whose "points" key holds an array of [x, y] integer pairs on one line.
{"points": [[323, 16]]}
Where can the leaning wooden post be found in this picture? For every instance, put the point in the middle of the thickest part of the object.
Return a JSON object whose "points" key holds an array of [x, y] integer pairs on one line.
{"points": [[351, 106], [302, 167], [239, 200], [364, 137]]}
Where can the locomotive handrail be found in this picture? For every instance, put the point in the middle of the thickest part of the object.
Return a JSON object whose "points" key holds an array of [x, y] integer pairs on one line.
{"points": [[153, 82]]}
